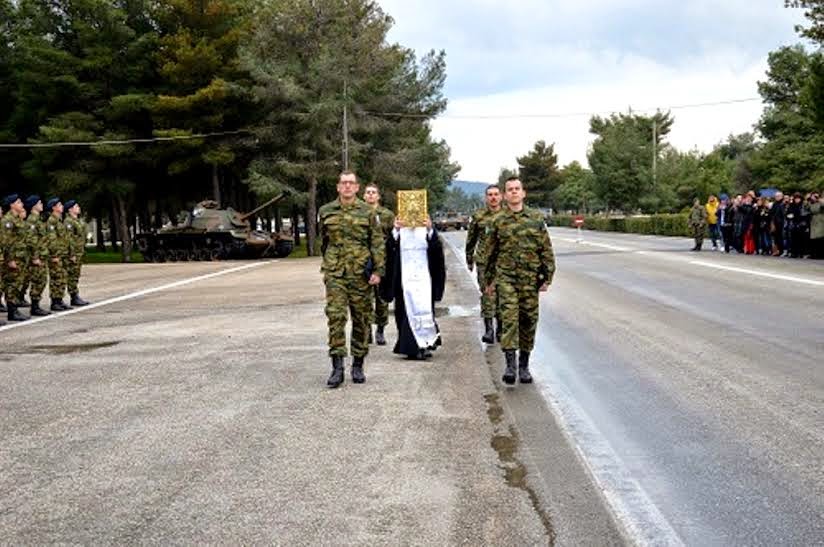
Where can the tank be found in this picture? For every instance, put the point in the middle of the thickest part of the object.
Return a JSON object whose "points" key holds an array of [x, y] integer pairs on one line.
{"points": [[208, 232]]}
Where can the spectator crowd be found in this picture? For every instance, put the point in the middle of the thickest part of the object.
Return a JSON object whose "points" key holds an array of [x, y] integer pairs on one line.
{"points": [[780, 225]]}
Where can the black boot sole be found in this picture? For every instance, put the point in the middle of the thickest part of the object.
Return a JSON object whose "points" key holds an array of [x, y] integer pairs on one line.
{"points": [[508, 380]]}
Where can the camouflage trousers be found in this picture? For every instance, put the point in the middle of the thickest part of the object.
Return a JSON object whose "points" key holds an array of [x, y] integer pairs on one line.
{"points": [[698, 234], [348, 296], [73, 273], [380, 315], [489, 304], [57, 279], [518, 303], [36, 278], [13, 280]]}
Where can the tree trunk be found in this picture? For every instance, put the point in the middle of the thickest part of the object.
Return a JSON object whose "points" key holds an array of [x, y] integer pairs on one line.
{"points": [[216, 186], [311, 216], [101, 243], [278, 220], [113, 229], [295, 226], [122, 218]]}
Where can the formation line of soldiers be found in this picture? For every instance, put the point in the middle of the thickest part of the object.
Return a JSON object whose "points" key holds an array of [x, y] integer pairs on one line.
{"points": [[509, 245], [36, 250]]}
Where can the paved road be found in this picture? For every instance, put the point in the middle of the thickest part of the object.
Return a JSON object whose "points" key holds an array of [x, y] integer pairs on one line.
{"points": [[188, 406], [693, 385]]}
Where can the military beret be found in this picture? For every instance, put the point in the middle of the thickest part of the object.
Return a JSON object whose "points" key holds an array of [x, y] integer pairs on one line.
{"points": [[31, 201], [51, 203], [69, 204], [11, 198]]}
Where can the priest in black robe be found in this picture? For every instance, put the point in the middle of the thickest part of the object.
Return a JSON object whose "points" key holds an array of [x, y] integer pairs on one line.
{"points": [[392, 288]]}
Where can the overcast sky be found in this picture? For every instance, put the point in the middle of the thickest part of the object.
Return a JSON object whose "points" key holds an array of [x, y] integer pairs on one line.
{"points": [[590, 56]]}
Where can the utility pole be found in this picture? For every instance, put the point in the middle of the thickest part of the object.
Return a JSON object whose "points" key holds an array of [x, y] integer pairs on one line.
{"points": [[345, 128], [655, 151]]}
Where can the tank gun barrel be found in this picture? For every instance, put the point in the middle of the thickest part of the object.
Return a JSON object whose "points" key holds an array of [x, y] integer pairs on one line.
{"points": [[256, 210]]}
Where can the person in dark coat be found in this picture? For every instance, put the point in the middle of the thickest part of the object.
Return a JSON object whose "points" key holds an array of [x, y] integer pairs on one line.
{"points": [[777, 213], [392, 288]]}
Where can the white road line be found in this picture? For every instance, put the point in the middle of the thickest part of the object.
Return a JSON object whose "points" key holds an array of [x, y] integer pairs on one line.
{"points": [[641, 520], [131, 296], [593, 244], [759, 273]]}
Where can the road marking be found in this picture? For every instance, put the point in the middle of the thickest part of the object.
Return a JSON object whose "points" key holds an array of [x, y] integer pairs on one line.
{"points": [[593, 244], [133, 295], [759, 273]]}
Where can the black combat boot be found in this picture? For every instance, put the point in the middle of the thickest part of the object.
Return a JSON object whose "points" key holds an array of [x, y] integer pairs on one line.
{"points": [[58, 305], [523, 368], [77, 301], [509, 373], [371, 340], [336, 378], [14, 314], [36, 310], [357, 370], [498, 329], [489, 333], [380, 339]]}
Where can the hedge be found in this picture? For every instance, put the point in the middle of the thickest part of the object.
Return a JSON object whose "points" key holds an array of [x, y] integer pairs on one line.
{"points": [[662, 225]]}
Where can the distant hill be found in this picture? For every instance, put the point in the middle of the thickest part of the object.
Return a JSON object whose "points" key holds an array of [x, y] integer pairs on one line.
{"points": [[469, 187]]}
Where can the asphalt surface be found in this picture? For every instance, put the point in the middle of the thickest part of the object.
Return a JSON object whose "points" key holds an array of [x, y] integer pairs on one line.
{"points": [[188, 405], [692, 384]]}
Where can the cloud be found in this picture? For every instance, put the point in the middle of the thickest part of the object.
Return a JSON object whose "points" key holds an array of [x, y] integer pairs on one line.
{"points": [[590, 56]]}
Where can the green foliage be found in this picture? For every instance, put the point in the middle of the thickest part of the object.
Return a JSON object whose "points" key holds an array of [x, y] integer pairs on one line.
{"points": [[576, 191], [661, 224], [622, 156], [458, 200], [538, 171]]}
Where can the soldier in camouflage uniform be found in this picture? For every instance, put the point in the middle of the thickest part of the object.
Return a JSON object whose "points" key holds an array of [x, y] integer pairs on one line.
{"points": [[58, 247], [698, 223], [15, 254], [37, 272], [76, 233], [520, 263], [480, 226], [352, 245], [380, 317]]}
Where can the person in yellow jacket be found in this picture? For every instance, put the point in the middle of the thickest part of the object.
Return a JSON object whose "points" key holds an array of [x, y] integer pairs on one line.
{"points": [[712, 221]]}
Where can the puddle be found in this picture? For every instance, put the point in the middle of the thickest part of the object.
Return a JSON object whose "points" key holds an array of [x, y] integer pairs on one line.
{"points": [[506, 445], [457, 311], [64, 349]]}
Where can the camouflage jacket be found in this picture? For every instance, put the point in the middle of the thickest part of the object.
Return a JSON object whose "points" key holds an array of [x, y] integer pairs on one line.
{"points": [[14, 238], [518, 248], [57, 241], [76, 234], [480, 226], [36, 237], [698, 216], [386, 219], [350, 236]]}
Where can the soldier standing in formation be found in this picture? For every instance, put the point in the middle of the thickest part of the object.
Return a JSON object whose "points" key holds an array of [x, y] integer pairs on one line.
{"points": [[2, 261], [76, 234], [386, 219], [352, 245], [520, 263], [58, 248], [15, 255], [37, 272], [479, 228], [698, 223]]}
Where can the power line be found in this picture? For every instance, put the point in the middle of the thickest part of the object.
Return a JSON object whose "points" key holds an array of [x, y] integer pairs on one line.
{"points": [[124, 141], [555, 115]]}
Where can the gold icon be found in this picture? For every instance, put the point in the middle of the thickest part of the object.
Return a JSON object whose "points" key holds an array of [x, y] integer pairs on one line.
{"points": [[412, 209]]}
